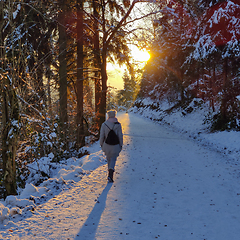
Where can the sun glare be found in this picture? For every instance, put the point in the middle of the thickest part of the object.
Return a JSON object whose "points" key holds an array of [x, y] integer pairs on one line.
{"points": [[115, 72], [140, 55]]}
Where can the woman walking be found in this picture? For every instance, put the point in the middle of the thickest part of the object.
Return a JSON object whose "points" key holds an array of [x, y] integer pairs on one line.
{"points": [[111, 146]]}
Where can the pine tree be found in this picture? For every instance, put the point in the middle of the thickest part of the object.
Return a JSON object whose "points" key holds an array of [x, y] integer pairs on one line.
{"points": [[127, 96]]}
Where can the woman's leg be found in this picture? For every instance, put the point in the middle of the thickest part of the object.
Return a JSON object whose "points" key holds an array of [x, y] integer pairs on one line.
{"points": [[108, 161], [111, 166], [112, 163]]}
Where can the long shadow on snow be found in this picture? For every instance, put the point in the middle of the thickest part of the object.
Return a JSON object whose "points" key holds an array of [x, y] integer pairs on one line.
{"points": [[88, 230]]}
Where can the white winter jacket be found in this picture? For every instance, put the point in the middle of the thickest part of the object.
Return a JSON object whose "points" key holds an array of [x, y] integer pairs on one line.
{"points": [[111, 150]]}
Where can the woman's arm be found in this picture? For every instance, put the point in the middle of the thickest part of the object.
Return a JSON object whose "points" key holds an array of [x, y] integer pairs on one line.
{"points": [[102, 135]]}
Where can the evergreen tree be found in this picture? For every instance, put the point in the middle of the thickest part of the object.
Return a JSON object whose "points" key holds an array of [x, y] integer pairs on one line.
{"points": [[127, 96]]}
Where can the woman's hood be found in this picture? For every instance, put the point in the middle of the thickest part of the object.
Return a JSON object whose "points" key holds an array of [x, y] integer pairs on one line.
{"points": [[112, 120]]}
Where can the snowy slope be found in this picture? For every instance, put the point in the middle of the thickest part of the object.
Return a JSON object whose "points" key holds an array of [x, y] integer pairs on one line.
{"points": [[166, 186], [194, 125]]}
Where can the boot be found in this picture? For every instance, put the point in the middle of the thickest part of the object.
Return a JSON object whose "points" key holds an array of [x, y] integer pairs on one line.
{"points": [[110, 175]]}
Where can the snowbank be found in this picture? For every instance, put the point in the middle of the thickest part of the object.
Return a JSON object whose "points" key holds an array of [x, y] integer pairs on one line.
{"points": [[192, 121], [63, 176]]}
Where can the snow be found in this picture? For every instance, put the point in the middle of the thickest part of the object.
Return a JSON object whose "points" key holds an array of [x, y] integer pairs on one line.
{"points": [[195, 126], [219, 26], [173, 180], [16, 12]]}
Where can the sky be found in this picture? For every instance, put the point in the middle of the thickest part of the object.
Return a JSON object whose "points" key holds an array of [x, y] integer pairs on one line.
{"points": [[140, 57], [115, 72]]}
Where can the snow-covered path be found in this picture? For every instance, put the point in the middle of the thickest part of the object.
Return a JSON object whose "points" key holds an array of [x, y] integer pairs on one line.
{"points": [[166, 187]]}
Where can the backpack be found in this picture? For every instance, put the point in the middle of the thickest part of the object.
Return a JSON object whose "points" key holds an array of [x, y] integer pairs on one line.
{"points": [[112, 138]]}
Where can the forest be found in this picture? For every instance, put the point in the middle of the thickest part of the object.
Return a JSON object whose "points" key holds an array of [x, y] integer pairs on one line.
{"points": [[196, 55], [53, 70]]}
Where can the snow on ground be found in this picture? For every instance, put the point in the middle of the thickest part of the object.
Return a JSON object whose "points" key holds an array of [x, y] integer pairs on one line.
{"points": [[194, 124], [167, 186], [64, 175]]}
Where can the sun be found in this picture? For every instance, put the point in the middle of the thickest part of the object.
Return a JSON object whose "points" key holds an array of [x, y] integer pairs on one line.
{"points": [[140, 55]]}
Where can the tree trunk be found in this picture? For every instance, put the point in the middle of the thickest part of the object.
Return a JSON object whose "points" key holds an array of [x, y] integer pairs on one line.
{"points": [[10, 126], [80, 58], [39, 86], [50, 109], [97, 65], [225, 91], [212, 86], [102, 109], [107, 38], [10, 119], [63, 73], [104, 86]]}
